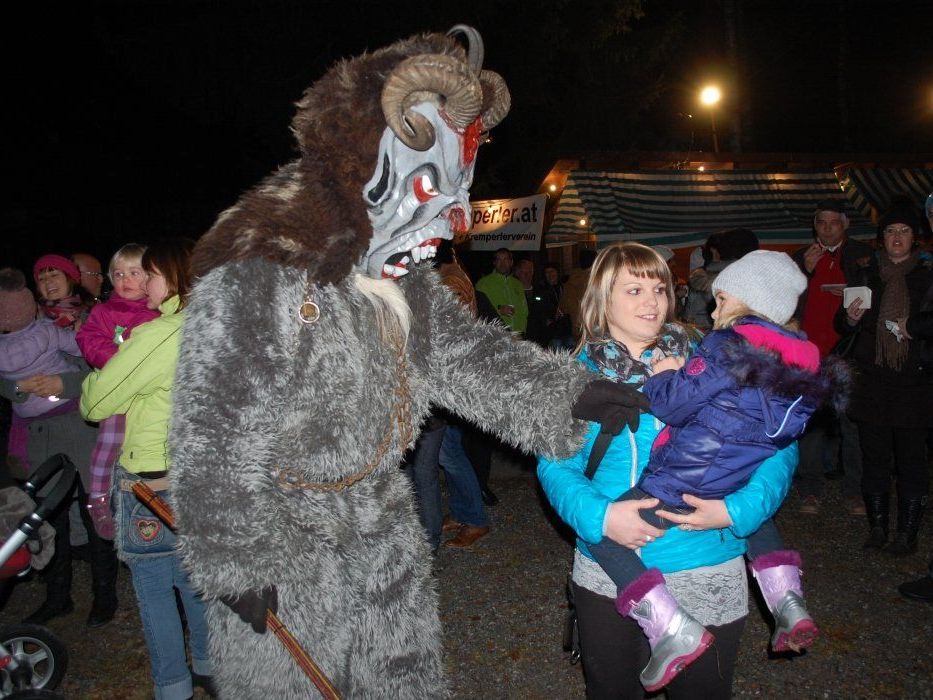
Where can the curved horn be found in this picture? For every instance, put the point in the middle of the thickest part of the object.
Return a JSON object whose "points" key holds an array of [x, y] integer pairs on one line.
{"points": [[426, 78], [474, 45], [496, 98]]}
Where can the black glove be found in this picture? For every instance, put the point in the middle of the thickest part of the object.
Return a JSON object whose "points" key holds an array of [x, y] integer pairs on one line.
{"points": [[252, 605], [612, 405]]}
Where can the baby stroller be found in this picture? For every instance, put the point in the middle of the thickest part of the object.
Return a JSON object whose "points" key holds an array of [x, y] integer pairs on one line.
{"points": [[32, 659]]}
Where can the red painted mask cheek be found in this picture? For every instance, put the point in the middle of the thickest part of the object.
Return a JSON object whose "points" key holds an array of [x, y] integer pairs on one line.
{"points": [[470, 141]]}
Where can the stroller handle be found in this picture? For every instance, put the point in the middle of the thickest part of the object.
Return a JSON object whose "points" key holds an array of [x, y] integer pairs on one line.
{"points": [[49, 468]]}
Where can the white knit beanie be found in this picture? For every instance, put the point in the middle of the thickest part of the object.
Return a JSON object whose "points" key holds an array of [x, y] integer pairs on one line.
{"points": [[766, 281]]}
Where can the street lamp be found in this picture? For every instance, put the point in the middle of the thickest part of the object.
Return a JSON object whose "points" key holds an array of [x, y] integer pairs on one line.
{"points": [[709, 97]]}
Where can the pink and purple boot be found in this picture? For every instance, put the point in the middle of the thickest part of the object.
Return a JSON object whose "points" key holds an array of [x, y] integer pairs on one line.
{"points": [[676, 639], [778, 575]]}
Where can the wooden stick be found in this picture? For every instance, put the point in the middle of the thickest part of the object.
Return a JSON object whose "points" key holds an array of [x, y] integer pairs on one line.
{"points": [[163, 511]]}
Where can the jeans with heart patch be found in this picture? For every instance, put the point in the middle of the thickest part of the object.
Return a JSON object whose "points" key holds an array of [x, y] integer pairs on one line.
{"points": [[147, 545]]}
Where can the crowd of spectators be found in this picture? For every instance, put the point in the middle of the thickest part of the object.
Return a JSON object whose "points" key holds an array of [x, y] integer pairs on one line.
{"points": [[81, 316]]}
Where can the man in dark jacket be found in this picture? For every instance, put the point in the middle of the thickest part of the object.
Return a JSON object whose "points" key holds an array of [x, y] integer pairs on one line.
{"points": [[831, 263]]}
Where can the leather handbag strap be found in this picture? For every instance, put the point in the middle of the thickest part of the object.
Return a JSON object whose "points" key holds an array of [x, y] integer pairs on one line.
{"points": [[600, 445]]}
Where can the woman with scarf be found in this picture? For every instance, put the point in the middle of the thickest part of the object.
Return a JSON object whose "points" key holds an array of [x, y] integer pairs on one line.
{"points": [[626, 317], [892, 399], [63, 304], [61, 296]]}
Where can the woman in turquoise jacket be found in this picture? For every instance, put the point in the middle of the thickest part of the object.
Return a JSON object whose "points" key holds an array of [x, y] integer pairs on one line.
{"points": [[630, 294]]}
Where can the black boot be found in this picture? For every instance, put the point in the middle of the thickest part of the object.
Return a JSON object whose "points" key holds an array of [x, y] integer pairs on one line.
{"points": [[103, 560], [909, 515], [103, 608], [876, 508], [205, 683], [57, 573], [921, 589], [50, 609]]}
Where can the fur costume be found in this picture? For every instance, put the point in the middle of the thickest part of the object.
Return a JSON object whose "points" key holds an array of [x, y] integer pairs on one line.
{"points": [[288, 432]]}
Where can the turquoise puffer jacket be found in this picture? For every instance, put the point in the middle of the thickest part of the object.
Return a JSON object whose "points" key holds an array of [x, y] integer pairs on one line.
{"points": [[582, 503]]}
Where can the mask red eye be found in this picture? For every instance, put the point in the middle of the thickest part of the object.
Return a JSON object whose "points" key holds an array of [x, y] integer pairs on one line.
{"points": [[424, 188]]}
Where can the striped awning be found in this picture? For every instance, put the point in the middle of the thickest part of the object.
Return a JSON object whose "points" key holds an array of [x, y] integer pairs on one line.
{"points": [[680, 208], [873, 188]]}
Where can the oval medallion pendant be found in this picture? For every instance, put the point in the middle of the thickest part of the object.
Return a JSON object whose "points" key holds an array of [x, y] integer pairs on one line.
{"points": [[309, 312]]}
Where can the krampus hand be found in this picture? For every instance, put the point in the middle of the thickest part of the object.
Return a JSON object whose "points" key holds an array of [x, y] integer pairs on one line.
{"points": [[610, 404], [252, 605]]}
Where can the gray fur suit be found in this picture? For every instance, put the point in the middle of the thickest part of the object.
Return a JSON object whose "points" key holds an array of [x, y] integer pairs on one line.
{"points": [[352, 567], [265, 404]]}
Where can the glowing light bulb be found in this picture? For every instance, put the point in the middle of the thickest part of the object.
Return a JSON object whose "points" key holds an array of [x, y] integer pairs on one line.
{"points": [[710, 95]]}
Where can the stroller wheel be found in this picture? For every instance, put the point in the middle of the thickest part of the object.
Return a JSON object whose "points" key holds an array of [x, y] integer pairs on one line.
{"points": [[41, 658]]}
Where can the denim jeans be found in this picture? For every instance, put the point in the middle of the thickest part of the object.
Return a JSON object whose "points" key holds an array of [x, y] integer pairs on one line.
{"points": [[465, 500], [422, 470], [148, 547], [155, 580]]}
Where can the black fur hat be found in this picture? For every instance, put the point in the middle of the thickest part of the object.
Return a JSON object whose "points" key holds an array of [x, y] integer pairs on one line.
{"points": [[899, 213]]}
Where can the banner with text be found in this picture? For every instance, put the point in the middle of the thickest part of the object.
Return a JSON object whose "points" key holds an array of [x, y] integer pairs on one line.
{"points": [[515, 224]]}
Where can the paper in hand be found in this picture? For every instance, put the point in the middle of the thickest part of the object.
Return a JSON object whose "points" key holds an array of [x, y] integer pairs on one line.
{"points": [[850, 294]]}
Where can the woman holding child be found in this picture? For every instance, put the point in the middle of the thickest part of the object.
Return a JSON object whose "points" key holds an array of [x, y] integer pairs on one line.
{"points": [[138, 382], [628, 336]]}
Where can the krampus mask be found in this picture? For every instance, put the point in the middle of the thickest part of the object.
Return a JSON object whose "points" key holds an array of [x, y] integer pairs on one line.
{"points": [[397, 129]]}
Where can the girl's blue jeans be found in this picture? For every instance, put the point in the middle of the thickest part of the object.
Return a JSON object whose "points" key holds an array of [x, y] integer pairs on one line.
{"points": [[155, 581], [148, 548]]}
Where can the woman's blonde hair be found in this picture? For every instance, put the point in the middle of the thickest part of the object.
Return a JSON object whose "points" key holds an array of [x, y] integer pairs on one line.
{"points": [[640, 261]]}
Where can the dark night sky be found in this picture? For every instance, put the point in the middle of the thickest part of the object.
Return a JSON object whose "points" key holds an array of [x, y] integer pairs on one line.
{"points": [[140, 118]]}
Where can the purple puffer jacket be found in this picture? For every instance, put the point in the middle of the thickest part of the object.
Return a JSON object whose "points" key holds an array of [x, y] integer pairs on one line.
{"points": [[39, 348], [746, 393], [109, 325]]}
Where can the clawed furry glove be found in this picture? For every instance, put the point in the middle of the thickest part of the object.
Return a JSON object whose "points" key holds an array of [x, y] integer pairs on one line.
{"points": [[252, 605], [612, 405], [101, 515]]}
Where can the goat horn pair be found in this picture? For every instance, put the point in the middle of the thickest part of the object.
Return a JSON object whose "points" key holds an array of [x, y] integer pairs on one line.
{"points": [[460, 88]]}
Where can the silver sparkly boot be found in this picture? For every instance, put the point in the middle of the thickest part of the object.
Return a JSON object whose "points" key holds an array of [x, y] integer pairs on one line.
{"points": [[676, 639], [778, 575]]}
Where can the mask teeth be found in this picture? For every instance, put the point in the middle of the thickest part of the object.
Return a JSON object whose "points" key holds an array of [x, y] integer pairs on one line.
{"points": [[393, 271]]}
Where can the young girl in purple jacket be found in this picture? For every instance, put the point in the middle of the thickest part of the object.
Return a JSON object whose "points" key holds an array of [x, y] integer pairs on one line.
{"points": [[748, 391], [99, 338]]}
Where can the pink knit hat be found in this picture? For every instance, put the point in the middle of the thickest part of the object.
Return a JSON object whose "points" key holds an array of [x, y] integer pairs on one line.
{"points": [[57, 262], [17, 305]]}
